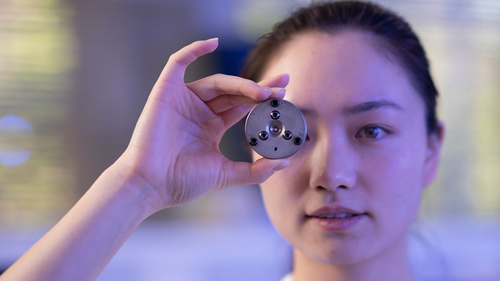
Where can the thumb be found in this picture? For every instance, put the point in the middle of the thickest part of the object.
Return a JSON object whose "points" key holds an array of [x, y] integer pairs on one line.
{"points": [[242, 173]]}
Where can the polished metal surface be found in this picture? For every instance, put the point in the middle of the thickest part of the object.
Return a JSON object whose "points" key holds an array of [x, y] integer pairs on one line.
{"points": [[278, 121]]}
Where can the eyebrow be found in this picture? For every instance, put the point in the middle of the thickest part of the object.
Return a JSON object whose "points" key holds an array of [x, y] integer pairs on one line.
{"points": [[357, 109], [370, 105], [307, 111]]}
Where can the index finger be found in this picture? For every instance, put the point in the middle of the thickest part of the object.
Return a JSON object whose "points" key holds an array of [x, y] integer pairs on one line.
{"points": [[176, 66]]}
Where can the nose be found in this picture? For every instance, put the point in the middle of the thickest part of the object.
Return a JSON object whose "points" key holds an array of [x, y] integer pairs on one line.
{"points": [[333, 165]]}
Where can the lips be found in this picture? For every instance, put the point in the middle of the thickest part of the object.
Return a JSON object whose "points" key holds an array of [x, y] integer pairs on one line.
{"points": [[336, 218], [334, 212]]}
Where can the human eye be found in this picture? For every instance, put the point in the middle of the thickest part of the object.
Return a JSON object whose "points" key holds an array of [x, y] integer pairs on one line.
{"points": [[371, 132]]}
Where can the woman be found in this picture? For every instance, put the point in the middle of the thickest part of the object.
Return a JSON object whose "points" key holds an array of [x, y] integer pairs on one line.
{"points": [[344, 201]]}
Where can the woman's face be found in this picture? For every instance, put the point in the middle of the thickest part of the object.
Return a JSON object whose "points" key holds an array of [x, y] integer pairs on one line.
{"points": [[367, 151]]}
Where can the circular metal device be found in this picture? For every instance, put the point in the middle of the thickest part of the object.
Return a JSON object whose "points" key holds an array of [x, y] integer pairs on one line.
{"points": [[275, 129]]}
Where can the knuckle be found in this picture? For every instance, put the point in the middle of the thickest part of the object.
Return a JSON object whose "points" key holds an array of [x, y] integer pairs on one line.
{"points": [[262, 177], [218, 76], [251, 85], [173, 58], [241, 88], [192, 54], [246, 86], [233, 101], [217, 87], [257, 176]]}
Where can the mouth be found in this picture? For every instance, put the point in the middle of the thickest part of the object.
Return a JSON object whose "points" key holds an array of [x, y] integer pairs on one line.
{"points": [[337, 212], [336, 218]]}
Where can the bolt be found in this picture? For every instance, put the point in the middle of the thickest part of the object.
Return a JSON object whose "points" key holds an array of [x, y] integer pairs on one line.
{"points": [[275, 114], [253, 141], [263, 135], [287, 135]]}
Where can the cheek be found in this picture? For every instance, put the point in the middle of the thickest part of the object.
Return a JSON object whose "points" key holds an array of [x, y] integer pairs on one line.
{"points": [[394, 180], [287, 185], [284, 194]]}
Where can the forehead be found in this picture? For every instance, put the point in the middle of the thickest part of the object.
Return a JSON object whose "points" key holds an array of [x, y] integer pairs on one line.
{"points": [[344, 68]]}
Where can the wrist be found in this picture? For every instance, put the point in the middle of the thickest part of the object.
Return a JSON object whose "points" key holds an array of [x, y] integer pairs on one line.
{"points": [[134, 189]]}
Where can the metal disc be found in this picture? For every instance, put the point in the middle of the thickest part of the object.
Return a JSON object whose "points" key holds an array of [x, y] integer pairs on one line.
{"points": [[275, 129]]}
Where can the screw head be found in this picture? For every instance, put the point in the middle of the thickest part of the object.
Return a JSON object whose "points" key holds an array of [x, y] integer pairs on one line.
{"points": [[287, 135], [297, 141], [253, 141], [275, 128], [263, 135], [275, 103], [275, 114]]}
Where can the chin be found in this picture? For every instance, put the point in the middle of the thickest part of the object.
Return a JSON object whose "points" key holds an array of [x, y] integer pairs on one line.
{"points": [[338, 253]]}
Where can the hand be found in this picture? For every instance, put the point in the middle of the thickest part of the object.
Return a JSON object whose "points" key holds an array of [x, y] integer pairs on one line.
{"points": [[174, 150]]}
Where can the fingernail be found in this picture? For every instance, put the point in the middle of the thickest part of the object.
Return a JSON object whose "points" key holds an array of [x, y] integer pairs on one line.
{"points": [[282, 163], [281, 91], [267, 91], [213, 39]]}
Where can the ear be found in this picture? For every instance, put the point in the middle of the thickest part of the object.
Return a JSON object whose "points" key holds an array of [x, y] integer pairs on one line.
{"points": [[433, 155]]}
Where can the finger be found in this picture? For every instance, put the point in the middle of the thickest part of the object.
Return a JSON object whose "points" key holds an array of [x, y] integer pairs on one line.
{"points": [[219, 84], [280, 81], [176, 66], [233, 115], [242, 173], [226, 102]]}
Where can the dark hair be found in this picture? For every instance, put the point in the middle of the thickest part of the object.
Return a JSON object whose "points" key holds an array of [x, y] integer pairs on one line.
{"points": [[391, 34]]}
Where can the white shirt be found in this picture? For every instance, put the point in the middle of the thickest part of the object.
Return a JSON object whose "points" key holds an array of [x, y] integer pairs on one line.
{"points": [[288, 277]]}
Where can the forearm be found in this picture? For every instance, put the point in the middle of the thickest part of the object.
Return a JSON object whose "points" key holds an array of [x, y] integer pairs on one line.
{"points": [[80, 245], [174, 149]]}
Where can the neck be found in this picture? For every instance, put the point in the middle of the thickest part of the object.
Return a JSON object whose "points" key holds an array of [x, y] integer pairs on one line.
{"points": [[391, 265]]}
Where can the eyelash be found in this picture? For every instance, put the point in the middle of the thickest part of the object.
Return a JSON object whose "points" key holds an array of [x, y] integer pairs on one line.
{"points": [[363, 130], [377, 136]]}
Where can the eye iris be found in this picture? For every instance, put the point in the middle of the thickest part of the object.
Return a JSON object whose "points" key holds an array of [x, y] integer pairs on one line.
{"points": [[371, 132]]}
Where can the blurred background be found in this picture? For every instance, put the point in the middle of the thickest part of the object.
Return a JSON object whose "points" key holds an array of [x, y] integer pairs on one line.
{"points": [[74, 76]]}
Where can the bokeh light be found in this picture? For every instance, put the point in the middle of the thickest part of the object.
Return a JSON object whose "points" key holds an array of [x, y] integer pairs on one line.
{"points": [[74, 76], [16, 137]]}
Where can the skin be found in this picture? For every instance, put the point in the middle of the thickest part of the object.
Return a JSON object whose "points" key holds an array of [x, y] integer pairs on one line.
{"points": [[345, 164], [173, 158]]}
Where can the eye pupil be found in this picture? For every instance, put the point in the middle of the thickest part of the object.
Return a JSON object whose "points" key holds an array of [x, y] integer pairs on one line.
{"points": [[371, 132]]}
